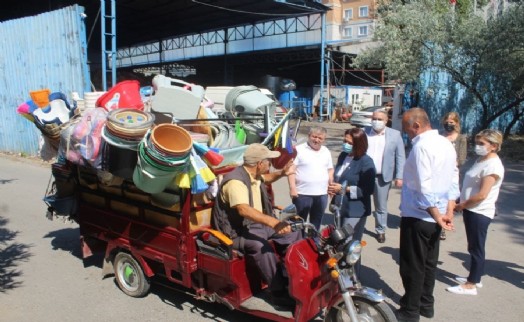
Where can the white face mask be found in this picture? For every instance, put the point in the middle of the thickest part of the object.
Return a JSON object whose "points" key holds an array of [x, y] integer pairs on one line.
{"points": [[378, 125], [481, 150]]}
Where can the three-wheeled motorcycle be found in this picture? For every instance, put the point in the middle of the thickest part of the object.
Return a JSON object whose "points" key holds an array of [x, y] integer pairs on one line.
{"points": [[170, 240]]}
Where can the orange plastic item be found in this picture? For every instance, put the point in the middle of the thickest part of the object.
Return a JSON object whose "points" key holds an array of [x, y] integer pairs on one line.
{"points": [[40, 97]]}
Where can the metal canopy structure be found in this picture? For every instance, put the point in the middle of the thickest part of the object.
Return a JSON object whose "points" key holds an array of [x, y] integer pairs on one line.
{"points": [[139, 21], [135, 22]]}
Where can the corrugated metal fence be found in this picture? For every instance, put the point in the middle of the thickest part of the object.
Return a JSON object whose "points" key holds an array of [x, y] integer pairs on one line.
{"points": [[44, 51]]}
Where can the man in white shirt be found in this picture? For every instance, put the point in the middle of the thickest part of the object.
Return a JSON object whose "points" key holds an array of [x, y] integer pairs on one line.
{"points": [[428, 198], [386, 148], [314, 172]]}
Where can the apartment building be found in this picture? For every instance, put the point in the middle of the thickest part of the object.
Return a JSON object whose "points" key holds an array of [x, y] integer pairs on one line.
{"points": [[351, 23]]}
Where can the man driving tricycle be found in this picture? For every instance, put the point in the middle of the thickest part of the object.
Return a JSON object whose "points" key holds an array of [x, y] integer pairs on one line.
{"points": [[243, 211]]}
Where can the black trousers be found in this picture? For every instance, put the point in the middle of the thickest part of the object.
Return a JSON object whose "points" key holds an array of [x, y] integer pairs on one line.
{"points": [[312, 206], [476, 233], [419, 250], [256, 247]]}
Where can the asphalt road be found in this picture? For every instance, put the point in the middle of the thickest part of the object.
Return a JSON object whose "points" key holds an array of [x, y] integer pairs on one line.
{"points": [[43, 278]]}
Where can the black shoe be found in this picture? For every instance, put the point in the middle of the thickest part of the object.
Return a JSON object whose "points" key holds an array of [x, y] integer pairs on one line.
{"points": [[443, 235], [427, 313], [402, 316], [381, 238], [282, 298]]}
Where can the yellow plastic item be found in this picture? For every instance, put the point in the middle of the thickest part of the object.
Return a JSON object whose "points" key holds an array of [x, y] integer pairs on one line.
{"points": [[207, 174], [183, 180], [277, 136], [28, 116]]}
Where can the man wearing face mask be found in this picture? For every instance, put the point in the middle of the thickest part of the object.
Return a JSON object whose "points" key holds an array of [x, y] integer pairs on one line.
{"points": [[314, 172], [244, 213], [386, 148]]}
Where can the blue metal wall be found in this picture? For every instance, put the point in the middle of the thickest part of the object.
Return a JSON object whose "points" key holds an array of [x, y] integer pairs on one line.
{"points": [[439, 94], [44, 51]]}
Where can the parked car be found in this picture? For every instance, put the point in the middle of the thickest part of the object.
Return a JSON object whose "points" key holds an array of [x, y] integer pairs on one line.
{"points": [[362, 118]]}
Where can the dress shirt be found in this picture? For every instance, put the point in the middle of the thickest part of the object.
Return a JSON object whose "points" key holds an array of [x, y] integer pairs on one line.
{"points": [[376, 146], [429, 179]]}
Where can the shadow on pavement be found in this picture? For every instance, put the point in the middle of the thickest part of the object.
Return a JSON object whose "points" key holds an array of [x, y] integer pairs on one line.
{"points": [[370, 278], [67, 239], [11, 253], [211, 311], [509, 204], [505, 271]]}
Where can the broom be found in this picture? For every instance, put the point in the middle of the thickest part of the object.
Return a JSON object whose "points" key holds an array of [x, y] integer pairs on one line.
{"points": [[203, 169], [211, 156], [198, 185], [183, 180]]}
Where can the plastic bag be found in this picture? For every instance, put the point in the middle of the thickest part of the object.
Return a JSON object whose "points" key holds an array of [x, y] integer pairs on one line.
{"points": [[83, 139]]}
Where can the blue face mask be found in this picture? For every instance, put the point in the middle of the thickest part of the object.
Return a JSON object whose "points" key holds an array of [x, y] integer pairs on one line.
{"points": [[346, 147]]}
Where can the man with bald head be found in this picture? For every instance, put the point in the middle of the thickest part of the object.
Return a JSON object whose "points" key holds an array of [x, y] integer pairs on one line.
{"points": [[428, 198]]}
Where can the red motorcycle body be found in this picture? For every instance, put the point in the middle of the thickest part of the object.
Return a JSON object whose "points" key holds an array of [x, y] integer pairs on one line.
{"points": [[172, 249], [310, 283]]}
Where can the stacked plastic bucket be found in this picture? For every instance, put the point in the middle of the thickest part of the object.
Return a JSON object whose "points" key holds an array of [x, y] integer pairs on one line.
{"points": [[162, 155], [124, 130]]}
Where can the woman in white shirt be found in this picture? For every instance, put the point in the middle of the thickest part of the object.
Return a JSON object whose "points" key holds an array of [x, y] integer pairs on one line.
{"points": [[480, 191]]}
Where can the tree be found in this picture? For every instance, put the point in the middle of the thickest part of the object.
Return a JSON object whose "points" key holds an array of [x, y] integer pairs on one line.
{"points": [[481, 51]]}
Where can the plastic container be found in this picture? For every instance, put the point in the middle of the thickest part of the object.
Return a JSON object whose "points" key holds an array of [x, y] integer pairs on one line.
{"points": [[91, 99], [232, 157], [150, 179], [120, 162], [171, 139], [125, 94], [40, 97], [284, 158]]}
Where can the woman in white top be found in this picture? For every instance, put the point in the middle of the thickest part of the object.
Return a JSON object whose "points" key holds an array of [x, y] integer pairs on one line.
{"points": [[480, 191]]}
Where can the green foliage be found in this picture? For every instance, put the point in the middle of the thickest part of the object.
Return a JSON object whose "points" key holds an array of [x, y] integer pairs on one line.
{"points": [[484, 53]]}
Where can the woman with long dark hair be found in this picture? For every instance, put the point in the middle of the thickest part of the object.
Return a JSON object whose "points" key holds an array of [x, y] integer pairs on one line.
{"points": [[355, 181]]}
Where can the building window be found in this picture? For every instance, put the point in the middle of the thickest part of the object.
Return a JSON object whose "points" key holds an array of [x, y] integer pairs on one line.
{"points": [[363, 11], [348, 32], [348, 14], [362, 31], [354, 99]]}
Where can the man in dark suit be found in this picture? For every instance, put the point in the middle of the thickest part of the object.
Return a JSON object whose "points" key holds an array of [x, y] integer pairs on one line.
{"points": [[386, 148]]}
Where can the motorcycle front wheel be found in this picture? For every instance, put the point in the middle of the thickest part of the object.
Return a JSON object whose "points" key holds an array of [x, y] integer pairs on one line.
{"points": [[367, 311]]}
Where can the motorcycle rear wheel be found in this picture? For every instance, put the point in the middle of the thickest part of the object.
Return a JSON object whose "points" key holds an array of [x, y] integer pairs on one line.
{"points": [[367, 311], [130, 276]]}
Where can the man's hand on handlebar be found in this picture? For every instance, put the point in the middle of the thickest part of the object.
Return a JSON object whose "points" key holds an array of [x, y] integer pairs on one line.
{"points": [[282, 228]]}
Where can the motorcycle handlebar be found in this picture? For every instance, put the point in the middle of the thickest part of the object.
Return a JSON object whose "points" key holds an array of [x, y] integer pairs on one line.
{"points": [[295, 226]]}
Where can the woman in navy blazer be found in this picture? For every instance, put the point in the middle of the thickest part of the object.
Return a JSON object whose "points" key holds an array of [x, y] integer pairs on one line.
{"points": [[355, 181]]}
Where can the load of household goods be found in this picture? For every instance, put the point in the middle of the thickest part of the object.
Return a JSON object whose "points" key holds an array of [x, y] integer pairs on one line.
{"points": [[149, 143]]}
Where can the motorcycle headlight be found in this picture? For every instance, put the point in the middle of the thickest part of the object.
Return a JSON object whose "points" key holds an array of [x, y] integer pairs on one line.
{"points": [[353, 251]]}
